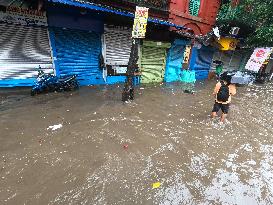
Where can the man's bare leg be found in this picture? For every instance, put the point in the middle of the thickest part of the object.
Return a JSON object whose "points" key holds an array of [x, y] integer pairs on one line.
{"points": [[213, 114], [223, 117]]}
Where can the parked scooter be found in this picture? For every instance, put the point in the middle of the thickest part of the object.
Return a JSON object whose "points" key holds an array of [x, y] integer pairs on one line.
{"points": [[50, 83]]}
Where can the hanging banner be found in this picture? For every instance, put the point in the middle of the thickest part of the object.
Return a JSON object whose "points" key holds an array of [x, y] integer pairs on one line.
{"points": [[259, 56], [140, 22], [22, 16]]}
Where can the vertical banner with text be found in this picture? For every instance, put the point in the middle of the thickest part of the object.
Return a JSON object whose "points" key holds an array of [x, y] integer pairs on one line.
{"points": [[140, 22], [187, 54]]}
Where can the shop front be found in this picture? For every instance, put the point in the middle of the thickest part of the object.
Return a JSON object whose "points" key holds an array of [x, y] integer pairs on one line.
{"points": [[24, 46], [153, 61], [76, 43], [117, 41], [232, 60]]}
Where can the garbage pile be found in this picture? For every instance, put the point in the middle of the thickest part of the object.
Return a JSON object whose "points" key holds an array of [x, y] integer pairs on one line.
{"points": [[245, 77]]}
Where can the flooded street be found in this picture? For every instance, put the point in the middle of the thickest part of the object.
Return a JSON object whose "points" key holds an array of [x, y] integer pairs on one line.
{"points": [[87, 147]]}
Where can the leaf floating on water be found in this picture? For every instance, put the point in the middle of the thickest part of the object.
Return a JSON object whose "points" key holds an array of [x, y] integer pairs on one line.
{"points": [[156, 185]]}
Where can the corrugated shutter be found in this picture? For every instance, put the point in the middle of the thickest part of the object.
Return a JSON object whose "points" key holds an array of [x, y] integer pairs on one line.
{"points": [[22, 50], [236, 60], [233, 60], [153, 61], [117, 45], [245, 58], [78, 53], [225, 58], [175, 60], [201, 61]]}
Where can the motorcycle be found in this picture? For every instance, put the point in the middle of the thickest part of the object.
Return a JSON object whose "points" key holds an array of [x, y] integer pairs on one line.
{"points": [[49, 83]]}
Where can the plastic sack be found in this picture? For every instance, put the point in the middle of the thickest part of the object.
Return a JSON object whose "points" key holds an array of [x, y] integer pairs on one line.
{"points": [[188, 76]]}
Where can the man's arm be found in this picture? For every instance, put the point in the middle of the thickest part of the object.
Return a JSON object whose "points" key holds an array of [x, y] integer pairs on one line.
{"points": [[216, 89], [232, 89]]}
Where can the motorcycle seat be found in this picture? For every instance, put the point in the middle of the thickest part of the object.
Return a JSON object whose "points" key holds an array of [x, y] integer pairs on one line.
{"points": [[66, 78]]}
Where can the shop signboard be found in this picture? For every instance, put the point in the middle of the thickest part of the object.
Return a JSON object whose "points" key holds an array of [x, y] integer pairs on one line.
{"points": [[257, 59], [140, 22], [23, 16], [120, 70]]}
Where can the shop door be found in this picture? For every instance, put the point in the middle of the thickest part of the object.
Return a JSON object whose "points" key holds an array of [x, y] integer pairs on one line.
{"points": [[77, 52], [22, 50], [153, 61]]}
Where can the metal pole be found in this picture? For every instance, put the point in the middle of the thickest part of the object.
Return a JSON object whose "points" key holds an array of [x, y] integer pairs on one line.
{"points": [[128, 91], [231, 58]]}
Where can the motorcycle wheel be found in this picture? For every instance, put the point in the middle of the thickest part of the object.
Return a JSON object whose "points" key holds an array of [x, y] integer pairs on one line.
{"points": [[59, 89], [33, 92], [47, 89], [72, 86], [76, 85]]}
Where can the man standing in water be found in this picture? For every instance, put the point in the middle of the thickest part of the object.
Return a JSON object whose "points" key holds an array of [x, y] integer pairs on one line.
{"points": [[222, 92]]}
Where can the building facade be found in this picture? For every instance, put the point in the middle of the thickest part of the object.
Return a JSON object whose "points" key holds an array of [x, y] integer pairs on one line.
{"points": [[92, 39], [199, 15]]}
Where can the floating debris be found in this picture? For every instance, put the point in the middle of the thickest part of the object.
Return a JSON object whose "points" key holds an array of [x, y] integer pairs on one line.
{"points": [[156, 185], [55, 127]]}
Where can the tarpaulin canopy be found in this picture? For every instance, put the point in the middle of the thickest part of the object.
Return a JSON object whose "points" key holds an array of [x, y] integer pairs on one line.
{"points": [[108, 9]]}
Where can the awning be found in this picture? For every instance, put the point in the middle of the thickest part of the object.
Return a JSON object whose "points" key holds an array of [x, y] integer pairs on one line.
{"points": [[108, 9]]}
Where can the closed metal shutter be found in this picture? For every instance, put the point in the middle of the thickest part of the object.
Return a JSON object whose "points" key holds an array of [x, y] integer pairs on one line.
{"points": [[78, 53], [153, 61], [226, 58], [233, 60], [22, 50], [117, 45]]}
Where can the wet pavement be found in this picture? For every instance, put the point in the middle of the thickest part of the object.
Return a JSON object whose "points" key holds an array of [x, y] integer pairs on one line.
{"points": [[87, 147]]}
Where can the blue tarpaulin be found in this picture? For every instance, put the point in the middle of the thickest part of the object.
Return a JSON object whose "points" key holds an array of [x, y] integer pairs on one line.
{"points": [[175, 60], [188, 76], [201, 60], [108, 9]]}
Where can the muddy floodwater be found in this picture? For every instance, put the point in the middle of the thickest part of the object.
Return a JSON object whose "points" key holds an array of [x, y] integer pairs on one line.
{"points": [[87, 147]]}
